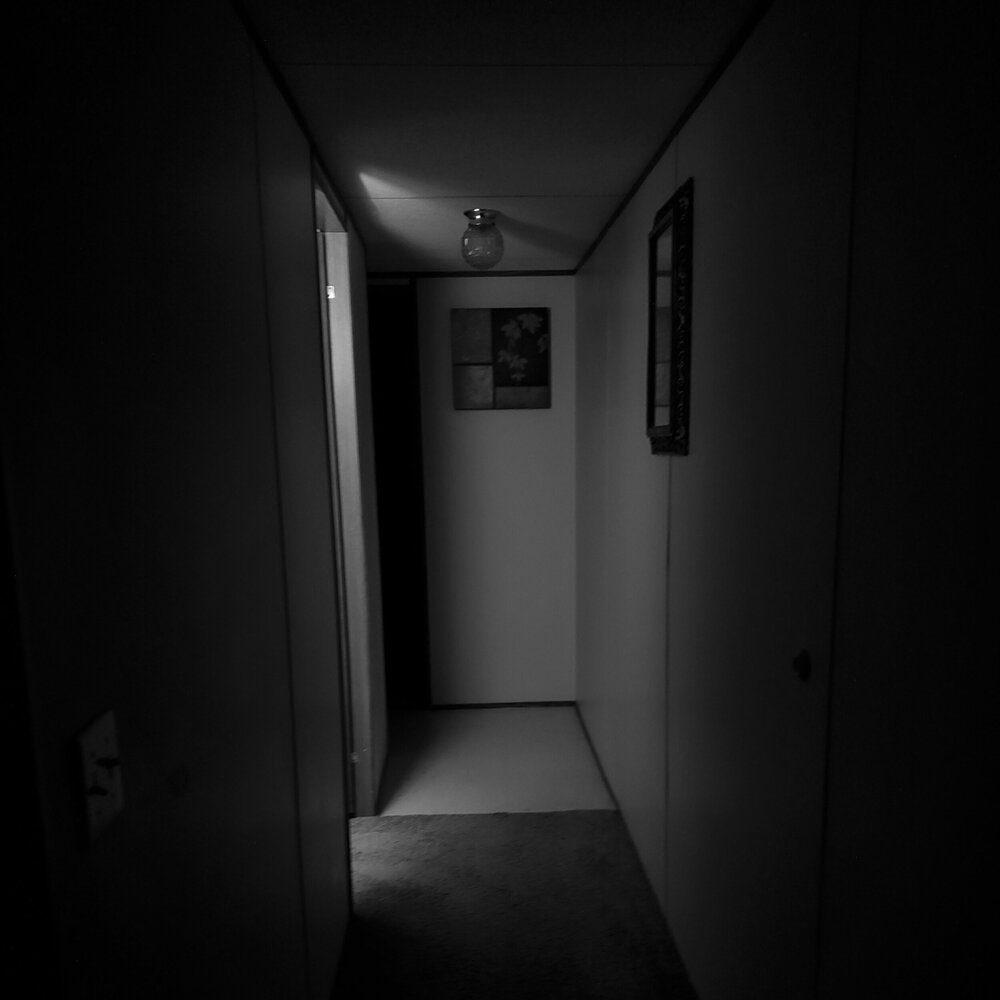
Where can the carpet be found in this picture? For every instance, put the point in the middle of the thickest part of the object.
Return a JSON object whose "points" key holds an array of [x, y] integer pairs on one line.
{"points": [[507, 905]]}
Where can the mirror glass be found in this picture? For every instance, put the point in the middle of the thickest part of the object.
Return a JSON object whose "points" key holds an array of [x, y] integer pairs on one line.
{"points": [[669, 352], [661, 379]]}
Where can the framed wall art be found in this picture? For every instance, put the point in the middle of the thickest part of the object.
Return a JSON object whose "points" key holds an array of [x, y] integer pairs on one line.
{"points": [[500, 359]]}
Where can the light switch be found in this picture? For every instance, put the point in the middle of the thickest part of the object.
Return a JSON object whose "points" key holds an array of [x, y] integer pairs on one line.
{"points": [[102, 773]]}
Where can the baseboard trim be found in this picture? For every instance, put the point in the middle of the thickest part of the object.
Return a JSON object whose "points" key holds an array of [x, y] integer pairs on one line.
{"points": [[505, 704], [597, 761]]}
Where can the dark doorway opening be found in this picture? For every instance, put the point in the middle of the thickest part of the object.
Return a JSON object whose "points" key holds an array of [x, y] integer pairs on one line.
{"points": [[395, 373]]}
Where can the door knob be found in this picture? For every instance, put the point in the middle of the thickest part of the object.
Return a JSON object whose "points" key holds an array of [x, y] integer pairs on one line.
{"points": [[802, 665]]}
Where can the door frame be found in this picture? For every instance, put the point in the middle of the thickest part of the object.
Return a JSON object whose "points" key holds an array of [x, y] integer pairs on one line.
{"points": [[352, 472]]}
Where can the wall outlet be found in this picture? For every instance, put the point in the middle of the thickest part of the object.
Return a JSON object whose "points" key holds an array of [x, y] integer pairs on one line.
{"points": [[102, 773]]}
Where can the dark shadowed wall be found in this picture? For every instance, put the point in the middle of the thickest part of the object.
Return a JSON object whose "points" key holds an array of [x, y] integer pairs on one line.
{"points": [[165, 448], [839, 301], [908, 833]]}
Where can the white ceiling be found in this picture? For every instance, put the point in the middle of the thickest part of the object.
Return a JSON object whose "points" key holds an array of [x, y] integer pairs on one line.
{"points": [[548, 111]]}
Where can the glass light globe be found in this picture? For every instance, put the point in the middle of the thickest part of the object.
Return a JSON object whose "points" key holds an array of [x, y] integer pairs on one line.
{"points": [[482, 242]]}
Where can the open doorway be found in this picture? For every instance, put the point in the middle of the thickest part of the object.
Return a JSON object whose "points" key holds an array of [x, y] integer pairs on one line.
{"points": [[395, 365]]}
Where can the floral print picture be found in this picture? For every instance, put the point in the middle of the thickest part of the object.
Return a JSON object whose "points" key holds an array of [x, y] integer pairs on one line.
{"points": [[500, 358]]}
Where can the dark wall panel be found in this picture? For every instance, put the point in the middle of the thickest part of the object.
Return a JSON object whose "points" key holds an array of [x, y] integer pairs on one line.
{"points": [[909, 788], [140, 453]]}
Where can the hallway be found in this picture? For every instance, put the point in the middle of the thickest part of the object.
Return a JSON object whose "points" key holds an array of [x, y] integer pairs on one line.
{"points": [[775, 641], [499, 867]]}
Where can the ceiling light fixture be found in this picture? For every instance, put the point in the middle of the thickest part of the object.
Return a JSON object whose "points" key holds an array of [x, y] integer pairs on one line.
{"points": [[482, 242]]}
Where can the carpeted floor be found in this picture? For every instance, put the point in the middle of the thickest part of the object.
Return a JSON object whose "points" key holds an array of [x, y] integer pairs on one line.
{"points": [[505, 905]]}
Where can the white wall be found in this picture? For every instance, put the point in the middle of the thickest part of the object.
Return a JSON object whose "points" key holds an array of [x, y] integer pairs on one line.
{"points": [[622, 497], [500, 499], [754, 513], [702, 577]]}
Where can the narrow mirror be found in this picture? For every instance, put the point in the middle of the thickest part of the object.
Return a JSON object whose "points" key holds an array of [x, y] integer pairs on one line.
{"points": [[669, 353]]}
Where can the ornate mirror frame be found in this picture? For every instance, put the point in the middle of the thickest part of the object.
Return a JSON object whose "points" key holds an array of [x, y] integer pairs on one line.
{"points": [[668, 367]]}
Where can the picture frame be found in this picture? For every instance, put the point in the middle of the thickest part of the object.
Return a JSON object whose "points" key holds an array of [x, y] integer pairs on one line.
{"points": [[501, 358], [668, 366]]}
